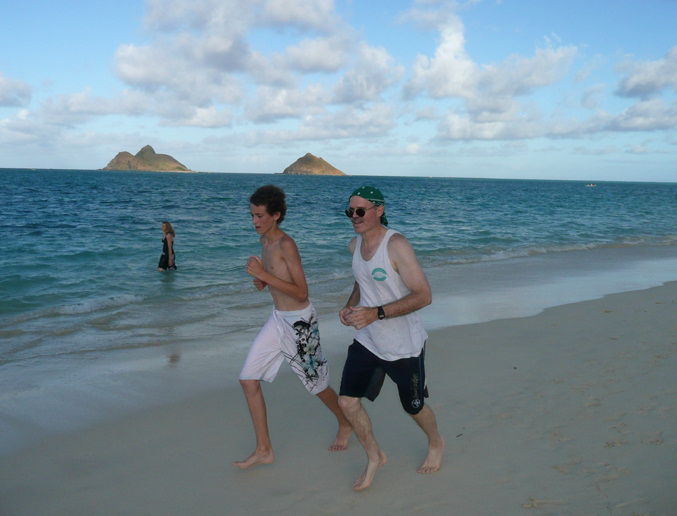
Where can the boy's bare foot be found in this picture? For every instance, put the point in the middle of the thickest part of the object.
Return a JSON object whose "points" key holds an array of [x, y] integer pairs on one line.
{"points": [[433, 462], [342, 438], [255, 459], [368, 476]]}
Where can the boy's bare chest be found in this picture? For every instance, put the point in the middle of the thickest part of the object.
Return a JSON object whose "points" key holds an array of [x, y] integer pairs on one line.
{"points": [[271, 257]]}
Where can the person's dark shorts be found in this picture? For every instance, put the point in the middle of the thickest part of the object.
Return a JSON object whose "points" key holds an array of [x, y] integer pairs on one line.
{"points": [[364, 373]]}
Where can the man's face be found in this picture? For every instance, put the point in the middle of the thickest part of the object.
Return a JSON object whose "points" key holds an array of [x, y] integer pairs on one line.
{"points": [[371, 217], [263, 221]]}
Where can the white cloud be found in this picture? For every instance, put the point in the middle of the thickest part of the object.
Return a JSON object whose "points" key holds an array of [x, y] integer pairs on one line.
{"points": [[24, 129], [372, 74], [74, 108], [648, 115], [209, 117], [451, 73], [594, 96], [651, 77], [349, 122], [520, 75], [309, 14], [457, 127], [13, 93], [223, 16], [325, 54], [276, 103]]}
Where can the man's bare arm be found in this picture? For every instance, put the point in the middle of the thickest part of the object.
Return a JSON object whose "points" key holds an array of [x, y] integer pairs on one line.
{"points": [[354, 298], [404, 261]]}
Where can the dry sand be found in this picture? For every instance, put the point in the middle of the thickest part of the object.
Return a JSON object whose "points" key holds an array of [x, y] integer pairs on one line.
{"points": [[572, 411]]}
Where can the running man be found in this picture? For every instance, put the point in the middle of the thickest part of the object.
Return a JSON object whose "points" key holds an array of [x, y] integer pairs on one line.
{"points": [[390, 287]]}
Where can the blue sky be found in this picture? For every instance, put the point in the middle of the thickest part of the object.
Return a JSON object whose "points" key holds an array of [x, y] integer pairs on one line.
{"points": [[479, 88]]}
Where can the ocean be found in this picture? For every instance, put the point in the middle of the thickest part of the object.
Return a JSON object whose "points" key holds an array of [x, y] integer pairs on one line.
{"points": [[89, 329]]}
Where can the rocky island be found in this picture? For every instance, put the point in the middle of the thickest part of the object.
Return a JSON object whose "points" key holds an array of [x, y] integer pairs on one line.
{"points": [[310, 165], [146, 160]]}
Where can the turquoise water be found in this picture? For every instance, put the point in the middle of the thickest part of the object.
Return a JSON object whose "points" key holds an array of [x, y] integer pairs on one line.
{"points": [[81, 297]]}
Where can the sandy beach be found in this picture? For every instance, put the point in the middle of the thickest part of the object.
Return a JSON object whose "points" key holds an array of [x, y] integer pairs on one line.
{"points": [[571, 411]]}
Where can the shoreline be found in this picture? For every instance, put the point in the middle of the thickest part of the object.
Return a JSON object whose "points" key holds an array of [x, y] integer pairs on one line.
{"points": [[571, 411], [133, 381]]}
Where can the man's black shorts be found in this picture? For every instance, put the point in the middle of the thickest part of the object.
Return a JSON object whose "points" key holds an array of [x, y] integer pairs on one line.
{"points": [[364, 373]]}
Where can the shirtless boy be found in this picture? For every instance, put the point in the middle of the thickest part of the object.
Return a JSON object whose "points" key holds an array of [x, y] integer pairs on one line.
{"points": [[292, 331]]}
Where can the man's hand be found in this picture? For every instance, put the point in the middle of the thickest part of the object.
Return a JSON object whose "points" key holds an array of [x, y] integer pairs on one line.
{"points": [[359, 316], [344, 313], [259, 284]]}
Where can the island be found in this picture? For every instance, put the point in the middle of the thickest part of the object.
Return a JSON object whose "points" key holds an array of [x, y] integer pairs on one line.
{"points": [[146, 160], [310, 165]]}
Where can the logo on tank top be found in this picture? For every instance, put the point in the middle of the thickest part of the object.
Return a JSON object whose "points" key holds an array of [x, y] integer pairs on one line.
{"points": [[379, 274]]}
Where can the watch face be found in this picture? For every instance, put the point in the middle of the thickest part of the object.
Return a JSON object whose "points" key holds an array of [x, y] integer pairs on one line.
{"points": [[381, 313]]}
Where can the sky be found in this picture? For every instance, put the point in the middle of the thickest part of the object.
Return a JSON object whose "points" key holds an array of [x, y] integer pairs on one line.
{"points": [[532, 89]]}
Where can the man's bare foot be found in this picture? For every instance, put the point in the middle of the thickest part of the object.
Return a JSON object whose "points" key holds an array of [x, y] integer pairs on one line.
{"points": [[433, 462], [342, 438], [255, 459], [368, 476]]}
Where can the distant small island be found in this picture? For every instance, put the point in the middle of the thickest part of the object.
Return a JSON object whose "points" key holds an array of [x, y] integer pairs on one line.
{"points": [[310, 165], [146, 160]]}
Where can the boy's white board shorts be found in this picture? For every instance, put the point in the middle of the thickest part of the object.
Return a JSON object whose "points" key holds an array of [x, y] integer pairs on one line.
{"points": [[294, 336]]}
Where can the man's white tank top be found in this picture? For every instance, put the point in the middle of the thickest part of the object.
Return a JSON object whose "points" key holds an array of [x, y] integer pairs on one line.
{"points": [[390, 338]]}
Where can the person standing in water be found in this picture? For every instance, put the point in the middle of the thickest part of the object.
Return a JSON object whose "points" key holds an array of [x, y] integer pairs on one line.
{"points": [[167, 259], [292, 331]]}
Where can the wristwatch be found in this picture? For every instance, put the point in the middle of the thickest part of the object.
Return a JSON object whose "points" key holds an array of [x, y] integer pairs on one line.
{"points": [[381, 313]]}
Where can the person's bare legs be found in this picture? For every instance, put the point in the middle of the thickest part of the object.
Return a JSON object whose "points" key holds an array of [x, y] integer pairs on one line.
{"points": [[330, 399], [359, 419], [257, 408], [428, 422]]}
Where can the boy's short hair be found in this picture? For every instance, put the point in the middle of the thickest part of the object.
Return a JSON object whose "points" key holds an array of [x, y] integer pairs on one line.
{"points": [[273, 198]]}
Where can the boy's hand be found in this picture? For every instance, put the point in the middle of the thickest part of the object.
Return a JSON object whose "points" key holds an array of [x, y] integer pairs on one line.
{"points": [[259, 284], [254, 266]]}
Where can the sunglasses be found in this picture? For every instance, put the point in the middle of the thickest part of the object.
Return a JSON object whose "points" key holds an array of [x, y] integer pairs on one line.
{"points": [[360, 211]]}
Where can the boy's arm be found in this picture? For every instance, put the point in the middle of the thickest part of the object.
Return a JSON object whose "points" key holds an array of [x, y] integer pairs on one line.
{"points": [[297, 287], [260, 285]]}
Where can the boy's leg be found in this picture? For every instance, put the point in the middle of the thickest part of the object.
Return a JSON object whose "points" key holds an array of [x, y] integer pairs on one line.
{"points": [[330, 399], [262, 362], [257, 408], [304, 354]]}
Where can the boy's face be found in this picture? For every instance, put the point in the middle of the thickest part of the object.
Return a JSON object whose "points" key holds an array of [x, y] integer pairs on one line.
{"points": [[263, 221]]}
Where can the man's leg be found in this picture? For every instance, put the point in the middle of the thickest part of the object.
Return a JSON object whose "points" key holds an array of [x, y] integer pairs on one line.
{"points": [[428, 422], [257, 408], [359, 419], [330, 399]]}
